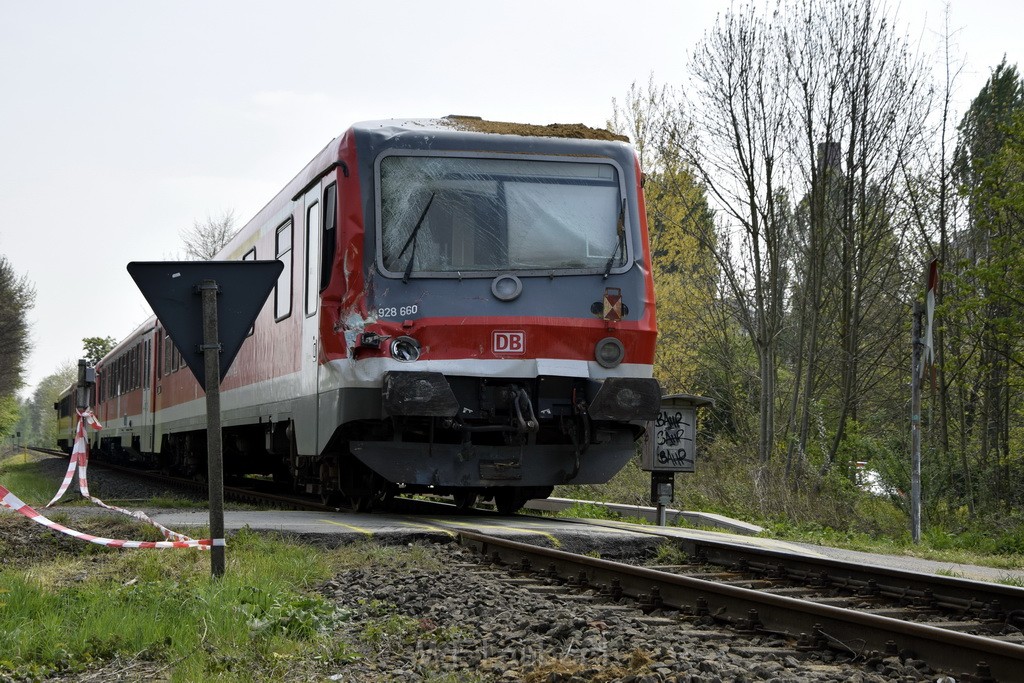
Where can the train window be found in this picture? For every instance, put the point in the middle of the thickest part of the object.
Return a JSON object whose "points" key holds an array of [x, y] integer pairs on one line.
{"points": [[328, 240], [446, 216], [158, 347], [146, 347], [168, 354], [250, 256], [283, 289], [312, 257]]}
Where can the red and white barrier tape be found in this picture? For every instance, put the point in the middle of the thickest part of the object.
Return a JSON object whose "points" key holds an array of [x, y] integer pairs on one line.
{"points": [[80, 461], [9, 500], [79, 456]]}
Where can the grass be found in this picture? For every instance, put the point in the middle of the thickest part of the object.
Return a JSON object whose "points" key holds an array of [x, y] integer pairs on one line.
{"points": [[20, 475], [64, 613], [967, 547]]}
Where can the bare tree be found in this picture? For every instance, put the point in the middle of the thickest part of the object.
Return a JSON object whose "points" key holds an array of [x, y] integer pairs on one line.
{"points": [[933, 197], [740, 123], [886, 100], [804, 116], [860, 97], [205, 239]]}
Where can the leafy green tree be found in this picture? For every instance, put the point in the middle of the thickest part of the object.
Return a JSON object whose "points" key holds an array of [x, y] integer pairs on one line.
{"points": [[679, 222], [10, 413], [97, 347], [17, 295], [41, 417], [985, 351]]}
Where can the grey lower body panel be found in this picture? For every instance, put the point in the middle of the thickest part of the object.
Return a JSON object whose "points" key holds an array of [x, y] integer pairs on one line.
{"points": [[338, 407], [456, 465]]}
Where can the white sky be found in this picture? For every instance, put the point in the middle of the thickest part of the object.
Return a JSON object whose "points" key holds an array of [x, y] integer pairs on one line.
{"points": [[123, 122]]}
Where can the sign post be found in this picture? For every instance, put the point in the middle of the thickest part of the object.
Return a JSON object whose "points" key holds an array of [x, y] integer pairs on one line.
{"points": [[214, 445], [915, 427], [209, 336], [671, 446]]}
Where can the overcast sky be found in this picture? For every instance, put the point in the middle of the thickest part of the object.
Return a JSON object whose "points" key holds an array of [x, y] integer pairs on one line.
{"points": [[123, 122]]}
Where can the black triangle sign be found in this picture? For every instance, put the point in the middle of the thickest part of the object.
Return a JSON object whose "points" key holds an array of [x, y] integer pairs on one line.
{"points": [[172, 290]]}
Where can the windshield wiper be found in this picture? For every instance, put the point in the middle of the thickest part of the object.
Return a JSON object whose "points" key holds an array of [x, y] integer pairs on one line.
{"points": [[621, 246], [412, 240]]}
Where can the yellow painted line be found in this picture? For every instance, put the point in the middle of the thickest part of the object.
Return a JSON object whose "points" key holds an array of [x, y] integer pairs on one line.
{"points": [[471, 526], [349, 526], [428, 527]]}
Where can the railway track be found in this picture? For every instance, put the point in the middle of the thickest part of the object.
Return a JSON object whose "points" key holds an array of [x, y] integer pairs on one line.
{"points": [[971, 630], [964, 628], [250, 493], [253, 492]]}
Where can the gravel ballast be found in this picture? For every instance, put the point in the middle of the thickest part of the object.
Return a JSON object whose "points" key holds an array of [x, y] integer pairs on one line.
{"points": [[472, 621]]}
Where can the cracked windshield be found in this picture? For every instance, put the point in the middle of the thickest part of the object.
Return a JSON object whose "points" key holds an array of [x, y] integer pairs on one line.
{"points": [[447, 216]]}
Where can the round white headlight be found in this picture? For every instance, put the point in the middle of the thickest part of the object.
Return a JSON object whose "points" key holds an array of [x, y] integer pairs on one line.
{"points": [[405, 349]]}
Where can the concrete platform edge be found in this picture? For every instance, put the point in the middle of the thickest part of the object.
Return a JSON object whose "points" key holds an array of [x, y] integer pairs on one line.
{"points": [[703, 519]]}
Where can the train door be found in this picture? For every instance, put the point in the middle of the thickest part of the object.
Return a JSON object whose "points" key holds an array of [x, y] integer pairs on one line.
{"points": [[157, 401], [310, 366], [145, 370]]}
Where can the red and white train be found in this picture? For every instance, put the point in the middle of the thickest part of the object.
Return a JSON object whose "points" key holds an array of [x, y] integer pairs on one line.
{"points": [[466, 308]]}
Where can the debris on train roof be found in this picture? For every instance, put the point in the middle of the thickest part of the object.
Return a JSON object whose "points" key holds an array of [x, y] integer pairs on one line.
{"points": [[552, 130]]}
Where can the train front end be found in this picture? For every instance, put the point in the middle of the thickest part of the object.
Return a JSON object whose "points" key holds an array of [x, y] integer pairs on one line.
{"points": [[503, 338]]}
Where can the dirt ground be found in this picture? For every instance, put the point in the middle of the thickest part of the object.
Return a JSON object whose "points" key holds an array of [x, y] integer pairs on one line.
{"points": [[553, 130]]}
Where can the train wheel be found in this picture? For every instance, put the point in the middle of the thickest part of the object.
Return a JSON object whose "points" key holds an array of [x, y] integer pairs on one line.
{"points": [[508, 501], [360, 503], [385, 499], [464, 500]]}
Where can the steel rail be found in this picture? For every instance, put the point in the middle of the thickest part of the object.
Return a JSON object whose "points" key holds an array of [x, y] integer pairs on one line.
{"points": [[234, 492], [854, 632], [948, 592]]}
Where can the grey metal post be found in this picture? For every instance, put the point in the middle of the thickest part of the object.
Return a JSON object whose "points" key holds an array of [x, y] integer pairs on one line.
{"points": [[662, 492], [915, 427], [214, 446], [81, 389]]}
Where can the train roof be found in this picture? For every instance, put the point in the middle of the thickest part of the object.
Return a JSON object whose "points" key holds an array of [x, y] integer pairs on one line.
{"points": [[450, 128], [476, 124], [130, 340]]}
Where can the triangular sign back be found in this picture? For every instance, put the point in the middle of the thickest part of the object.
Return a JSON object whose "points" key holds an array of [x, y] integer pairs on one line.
{"points": [[172, 290]]}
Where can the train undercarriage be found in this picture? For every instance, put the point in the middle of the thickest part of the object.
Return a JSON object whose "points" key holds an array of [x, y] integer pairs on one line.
{"points": [[469, 438]]}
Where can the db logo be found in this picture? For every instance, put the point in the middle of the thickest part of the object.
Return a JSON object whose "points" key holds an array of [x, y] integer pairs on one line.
{"points": [[508, 342]]}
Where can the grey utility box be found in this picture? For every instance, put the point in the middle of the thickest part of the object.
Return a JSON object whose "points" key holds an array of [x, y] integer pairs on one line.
{"points": [[672, 438]]}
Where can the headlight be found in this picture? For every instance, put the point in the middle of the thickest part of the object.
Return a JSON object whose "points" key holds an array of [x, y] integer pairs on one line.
{"points": [[405, 349], [609, 352]]}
